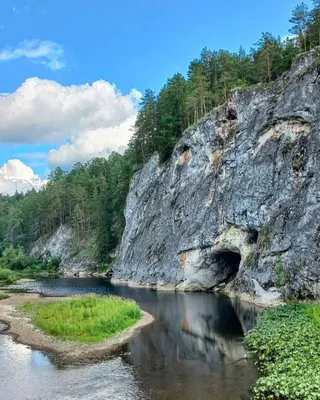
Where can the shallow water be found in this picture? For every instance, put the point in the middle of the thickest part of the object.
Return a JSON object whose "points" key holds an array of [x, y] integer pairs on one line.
{"points": [[193, 351]]}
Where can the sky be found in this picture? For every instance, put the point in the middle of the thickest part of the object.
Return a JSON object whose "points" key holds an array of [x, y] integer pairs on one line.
{"points": [[72, 72]]}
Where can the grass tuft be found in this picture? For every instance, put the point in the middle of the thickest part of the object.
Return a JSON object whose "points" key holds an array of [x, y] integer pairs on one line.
{"points": [[4, 296], [87, 319], [286, 347]]}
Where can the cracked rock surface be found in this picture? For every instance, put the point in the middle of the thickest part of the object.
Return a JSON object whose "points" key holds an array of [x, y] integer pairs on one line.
{"points": [[238, 203]]}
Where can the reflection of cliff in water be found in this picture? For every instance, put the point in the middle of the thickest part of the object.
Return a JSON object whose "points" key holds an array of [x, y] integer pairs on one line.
{"points": [[196, 340], [193, 351]]}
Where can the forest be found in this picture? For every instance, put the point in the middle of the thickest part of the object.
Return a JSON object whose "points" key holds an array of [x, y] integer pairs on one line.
{"points": [[91, 197]]}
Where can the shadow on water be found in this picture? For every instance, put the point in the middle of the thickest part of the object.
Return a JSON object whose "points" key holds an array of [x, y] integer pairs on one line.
{"points": [[193, 350]]}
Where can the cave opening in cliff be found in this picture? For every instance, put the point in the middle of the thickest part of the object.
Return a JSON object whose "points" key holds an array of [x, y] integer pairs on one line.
{"points": [[228, 262]]}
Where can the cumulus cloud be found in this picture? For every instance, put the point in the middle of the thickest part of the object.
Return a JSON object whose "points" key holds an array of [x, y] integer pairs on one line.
{"points": [[16, 176], [93, 143], [85, 120], [45, 52]]}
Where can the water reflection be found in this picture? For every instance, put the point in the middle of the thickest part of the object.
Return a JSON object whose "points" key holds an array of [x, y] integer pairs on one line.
{"points": [[193, 351]]}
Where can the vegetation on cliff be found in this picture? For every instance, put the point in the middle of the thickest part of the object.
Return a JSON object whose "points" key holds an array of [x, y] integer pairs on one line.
{"points": [[91, 197], [85, 319], [286, 347]]}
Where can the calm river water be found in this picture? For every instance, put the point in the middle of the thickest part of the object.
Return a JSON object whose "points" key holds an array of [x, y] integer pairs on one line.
{"points": [[193, 351]]}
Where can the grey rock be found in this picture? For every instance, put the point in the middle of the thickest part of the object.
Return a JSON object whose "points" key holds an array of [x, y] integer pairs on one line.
{"points": [[239, 200], [60, 245]]}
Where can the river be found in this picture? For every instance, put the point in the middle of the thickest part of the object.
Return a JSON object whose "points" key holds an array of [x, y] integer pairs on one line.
{"points": [[193, 351]]}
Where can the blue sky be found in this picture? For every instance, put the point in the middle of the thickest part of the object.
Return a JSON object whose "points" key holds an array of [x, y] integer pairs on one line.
{"points": [[133, 44]]}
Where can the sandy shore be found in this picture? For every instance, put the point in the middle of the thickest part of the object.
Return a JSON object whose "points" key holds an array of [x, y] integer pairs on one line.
{"points": [[64, 351]]}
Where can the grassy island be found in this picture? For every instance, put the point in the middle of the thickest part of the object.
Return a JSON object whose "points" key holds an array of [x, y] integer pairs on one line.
{"points": [[87, 319], [286, 347]]}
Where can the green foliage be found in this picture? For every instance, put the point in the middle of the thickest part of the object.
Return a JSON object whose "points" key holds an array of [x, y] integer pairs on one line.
{"points": [[15, 258], [314, 311], [48, 266], [4, 296], [300, 21], [251, 260], [264, 237], [286, 347], [7, 276], [85, 319], [281, 273]]}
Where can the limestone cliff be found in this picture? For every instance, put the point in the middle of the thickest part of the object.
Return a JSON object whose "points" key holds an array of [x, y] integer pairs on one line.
{"points": [[238, 203], [75, 259]]}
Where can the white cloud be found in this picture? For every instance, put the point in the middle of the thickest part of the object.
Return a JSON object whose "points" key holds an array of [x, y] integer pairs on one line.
{"points": [[45, 52], [85, 121], [16, 176], [93, 143], [37, 155]]}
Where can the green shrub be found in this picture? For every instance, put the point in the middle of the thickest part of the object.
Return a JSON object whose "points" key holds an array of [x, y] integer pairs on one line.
{"points": [[85, 319], [252, 260], [4, 296], [7, 276], [281, 274], [53, 264], [16, 258], [286, 346]]}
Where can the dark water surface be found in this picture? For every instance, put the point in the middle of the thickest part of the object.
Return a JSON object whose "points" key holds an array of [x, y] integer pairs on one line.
{"points": [[193, 351]]}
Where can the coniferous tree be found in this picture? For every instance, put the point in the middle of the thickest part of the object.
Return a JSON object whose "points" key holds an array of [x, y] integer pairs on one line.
{"points": [[300, 20], [268, 57], [313, 29]]}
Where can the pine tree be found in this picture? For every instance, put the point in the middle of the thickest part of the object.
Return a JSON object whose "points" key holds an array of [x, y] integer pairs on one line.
{"points": [[171, 120], [268, 57], [300, 19], [313, 30]]}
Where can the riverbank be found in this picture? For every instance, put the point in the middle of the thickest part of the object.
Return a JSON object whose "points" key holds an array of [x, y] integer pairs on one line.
{"points": [[23, 331], [286, 347], [261, 298]]}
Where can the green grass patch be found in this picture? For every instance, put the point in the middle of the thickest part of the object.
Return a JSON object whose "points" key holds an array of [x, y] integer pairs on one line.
{"points": [[87, 319], [4, 296], [286, 347], [7, 276]]}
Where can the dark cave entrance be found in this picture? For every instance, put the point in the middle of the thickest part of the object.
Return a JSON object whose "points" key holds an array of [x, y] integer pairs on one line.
{"points": [[228, 263]]}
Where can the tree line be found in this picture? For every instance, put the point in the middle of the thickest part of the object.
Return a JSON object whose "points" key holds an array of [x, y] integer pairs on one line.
{"points": [[91, 197]]}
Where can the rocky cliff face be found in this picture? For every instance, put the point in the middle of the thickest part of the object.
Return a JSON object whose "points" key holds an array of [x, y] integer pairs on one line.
{"points": [[238, 203], [78, 260]]}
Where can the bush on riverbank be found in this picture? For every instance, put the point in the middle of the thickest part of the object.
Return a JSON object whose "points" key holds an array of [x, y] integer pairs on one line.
{"points": [[16, 259], [286, 345], [4, 296], [85, 319], [7, 276], [21, 264]]}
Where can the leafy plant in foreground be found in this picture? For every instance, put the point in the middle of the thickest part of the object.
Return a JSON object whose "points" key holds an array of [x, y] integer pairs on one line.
{"points": [[286, 347]]}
